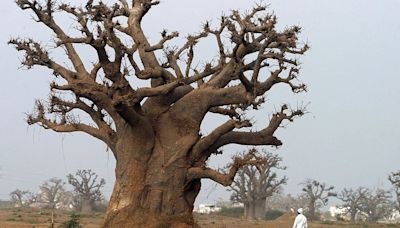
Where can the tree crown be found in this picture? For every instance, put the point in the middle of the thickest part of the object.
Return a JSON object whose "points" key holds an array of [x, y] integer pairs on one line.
{"points": [[252, 57]]}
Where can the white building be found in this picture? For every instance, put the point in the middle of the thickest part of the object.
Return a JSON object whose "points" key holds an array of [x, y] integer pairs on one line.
{"points": [[337, 211], [207, 208]]}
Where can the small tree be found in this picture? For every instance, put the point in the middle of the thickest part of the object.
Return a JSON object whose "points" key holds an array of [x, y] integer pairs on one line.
{"points": [[254, 183], [87, 187], [376, 204], [317, 195], [51, 193], [394, 178], [353, 200], [73, 222], [22, 198]]}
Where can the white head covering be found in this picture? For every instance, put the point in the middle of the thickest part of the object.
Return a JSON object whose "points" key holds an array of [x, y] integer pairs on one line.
{"points": [[300, 210]]}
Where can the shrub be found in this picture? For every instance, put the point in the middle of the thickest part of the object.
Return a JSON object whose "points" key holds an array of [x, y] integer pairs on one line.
{"points": [[235, 212], [73, 222], [273, 214]]}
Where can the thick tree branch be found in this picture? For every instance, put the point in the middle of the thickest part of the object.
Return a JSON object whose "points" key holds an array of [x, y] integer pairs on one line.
{"points": [[262, 137], [226, 178], [205, 142], [96, 115]]}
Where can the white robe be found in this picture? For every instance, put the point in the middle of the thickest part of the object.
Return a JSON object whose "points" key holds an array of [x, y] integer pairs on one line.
{"points": [[300, 221]]}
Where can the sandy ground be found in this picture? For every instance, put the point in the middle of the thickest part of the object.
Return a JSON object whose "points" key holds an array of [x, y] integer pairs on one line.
{"points": [[37, 218], [284, 221]]}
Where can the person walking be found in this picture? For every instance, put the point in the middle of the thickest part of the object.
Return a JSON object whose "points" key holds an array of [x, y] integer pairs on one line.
{"points": [[301, 220]]}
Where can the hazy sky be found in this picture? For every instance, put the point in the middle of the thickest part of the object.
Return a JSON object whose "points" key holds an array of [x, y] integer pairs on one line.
{"points": [[350, 138]]}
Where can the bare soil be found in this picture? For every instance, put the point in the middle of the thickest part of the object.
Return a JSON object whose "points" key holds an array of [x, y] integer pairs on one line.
{"points": [[285, 221], [40, 218]]}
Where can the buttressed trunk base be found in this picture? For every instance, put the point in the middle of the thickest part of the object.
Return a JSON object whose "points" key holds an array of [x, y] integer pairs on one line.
{"points": [[141, 199]]}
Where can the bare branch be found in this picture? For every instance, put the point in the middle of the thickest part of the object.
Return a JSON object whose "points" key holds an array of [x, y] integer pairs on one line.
{"points": [[262, 137], [64, 125], [226, 178], [160, 44]]}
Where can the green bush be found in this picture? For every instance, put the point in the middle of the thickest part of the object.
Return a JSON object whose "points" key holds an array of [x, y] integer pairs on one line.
{"points": [[327, 222], [73, 222], [235, 212], [273, 214], [100, 207]]}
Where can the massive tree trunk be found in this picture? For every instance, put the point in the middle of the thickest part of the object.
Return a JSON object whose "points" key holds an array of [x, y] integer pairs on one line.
{"points": [[249, 210], [87, 206], [353, 214], [151, 188], [255, 209], [259, 209], [138, 201], [311, 211]]}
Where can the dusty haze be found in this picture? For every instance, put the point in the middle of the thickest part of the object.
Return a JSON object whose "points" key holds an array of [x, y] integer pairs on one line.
{"points": [[349, 139]]}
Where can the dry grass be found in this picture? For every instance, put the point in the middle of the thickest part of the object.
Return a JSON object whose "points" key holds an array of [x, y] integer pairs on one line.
{"points": [[212, 221], [37, 218]]}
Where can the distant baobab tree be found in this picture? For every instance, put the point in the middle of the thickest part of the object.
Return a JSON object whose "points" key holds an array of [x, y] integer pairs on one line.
{"points": [[394, 179], [353, 200], [154, 131], [317, 195], [87, 188], [22, 198], [376, 204], [254, 183], [51, 193]]}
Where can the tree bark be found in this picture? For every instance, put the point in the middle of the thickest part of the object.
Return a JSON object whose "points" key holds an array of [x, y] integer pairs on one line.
{"points": [[311, 211], [259, 209], [146, 195], [249, 211], [246, 210], [139, 201], [255, 209], [353, 215], [87, 206]]}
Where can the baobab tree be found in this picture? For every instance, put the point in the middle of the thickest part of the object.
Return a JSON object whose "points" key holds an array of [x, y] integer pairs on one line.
{"points": [[394, 179], [154, 131], [51, 193], [376, 204], [22, 198], [87, 188], [317, 195], [254, 183], [353, 200]]}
